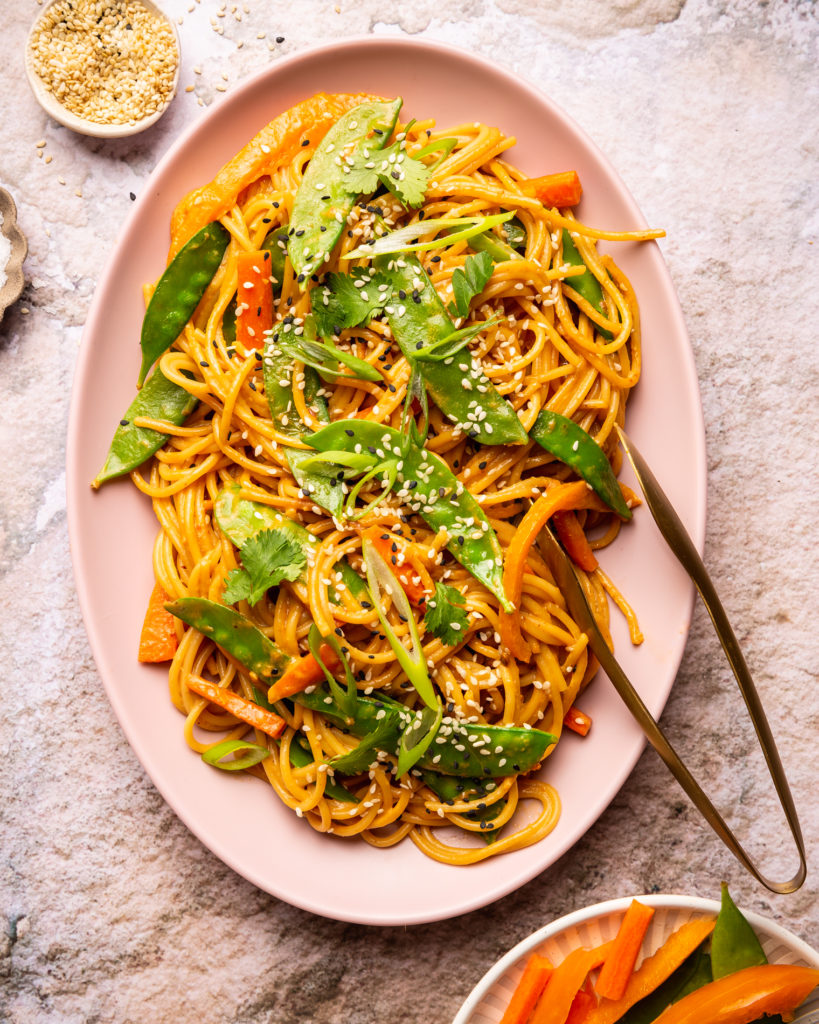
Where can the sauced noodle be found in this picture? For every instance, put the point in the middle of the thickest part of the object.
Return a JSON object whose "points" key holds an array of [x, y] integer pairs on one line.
{"points": [[547, 350]]}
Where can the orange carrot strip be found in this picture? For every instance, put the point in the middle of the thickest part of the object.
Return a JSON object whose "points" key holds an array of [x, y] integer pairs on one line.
{"points": [[157, 641], [612, 981], [582, 1004], [562, 496], [309, 120], [535, 976], [238, 706], [301, 673], [406, 574], [578, 721], [574, 540], [254, 298], [554, 1005], [654, 970], [563, 189]]}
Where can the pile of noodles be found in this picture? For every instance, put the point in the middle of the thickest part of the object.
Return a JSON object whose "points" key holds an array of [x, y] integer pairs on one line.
{"points": [[543, 353]]}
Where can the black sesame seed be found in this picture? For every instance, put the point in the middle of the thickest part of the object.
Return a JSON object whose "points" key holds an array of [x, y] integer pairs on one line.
{"points": [[133, 197], [124, 423]]}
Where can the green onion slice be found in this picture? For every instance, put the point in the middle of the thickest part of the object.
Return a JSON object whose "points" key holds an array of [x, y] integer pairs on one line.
{"points": [[401, 240], [255, 753]]}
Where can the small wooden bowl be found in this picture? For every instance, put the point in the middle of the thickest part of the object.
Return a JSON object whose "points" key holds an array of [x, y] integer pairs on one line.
{"points": [[62, 115], [13, 286]]}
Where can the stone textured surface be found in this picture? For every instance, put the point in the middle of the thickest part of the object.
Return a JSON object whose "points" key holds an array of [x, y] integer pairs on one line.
{"points": [[113, 911]]}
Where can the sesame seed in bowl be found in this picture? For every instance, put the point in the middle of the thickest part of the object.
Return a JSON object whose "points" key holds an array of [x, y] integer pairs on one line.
{"points": [[107, 68]]}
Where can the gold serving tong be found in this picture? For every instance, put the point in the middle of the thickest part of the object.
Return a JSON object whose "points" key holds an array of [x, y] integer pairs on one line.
{"points": [[683, 548]]}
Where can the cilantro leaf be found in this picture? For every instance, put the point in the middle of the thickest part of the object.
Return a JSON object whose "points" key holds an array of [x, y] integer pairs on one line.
{"points": [[338, 303], [268, 557], [470, 281], [361, 757], [446, 617], [392, 167]]}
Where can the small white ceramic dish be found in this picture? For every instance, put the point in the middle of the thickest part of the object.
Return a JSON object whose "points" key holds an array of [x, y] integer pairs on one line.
{"points": [[64, 116], [595, 925], [13, 285]]}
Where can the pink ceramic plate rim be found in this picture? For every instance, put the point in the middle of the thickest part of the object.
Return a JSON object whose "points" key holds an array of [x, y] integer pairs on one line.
{"points": [[111, 532], [767, 931]]}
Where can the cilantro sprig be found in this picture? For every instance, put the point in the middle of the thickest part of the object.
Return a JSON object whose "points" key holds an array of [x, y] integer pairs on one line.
{"points": [[347, 300], [446, 616], [392, 167], [268, 558], [470, 281]]}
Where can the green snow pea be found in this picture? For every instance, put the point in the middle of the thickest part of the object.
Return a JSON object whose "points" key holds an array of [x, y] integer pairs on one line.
{"points": [[277, 368], [276, 244], [460, 748], [586, 284], [323, 200], [234, 634], [160, 399], [179, 291], [457, 385], [693, 973], [300, 758], [570, 443], [450, 788], [428, 487], [734, 944], [502, 248]]}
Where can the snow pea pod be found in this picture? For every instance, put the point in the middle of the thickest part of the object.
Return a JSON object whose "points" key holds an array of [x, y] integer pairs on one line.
{"points": [[301, 758], [734, 944], [693, 973], [179, 291], [462, 749], [586, 284], [450, 788], [160, 399], [235, 634], [502, 250], [570, 443], [324, 200], [457, 385], [427, 486]]}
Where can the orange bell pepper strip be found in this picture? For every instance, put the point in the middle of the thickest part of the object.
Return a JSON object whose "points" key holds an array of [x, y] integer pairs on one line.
{"points": [[536, 974], [301, 673], [238, 706], [745, 996], [562, 496], [254, 298], [411, 577], [578, 721], [619, 965], [274, 145], [574, 540], [158, 641], [568, 978], [561, 190], [654, 970]]}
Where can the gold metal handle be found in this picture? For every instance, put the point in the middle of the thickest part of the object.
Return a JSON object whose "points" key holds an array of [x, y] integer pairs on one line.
{"points": [[683, 548]]}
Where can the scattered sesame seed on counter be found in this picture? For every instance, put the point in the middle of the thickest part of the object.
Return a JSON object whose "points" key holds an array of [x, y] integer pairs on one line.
{"points": [[108, 61]]}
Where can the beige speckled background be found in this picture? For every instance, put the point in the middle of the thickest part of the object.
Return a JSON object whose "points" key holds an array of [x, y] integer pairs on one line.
{"points": [[112, 911]]}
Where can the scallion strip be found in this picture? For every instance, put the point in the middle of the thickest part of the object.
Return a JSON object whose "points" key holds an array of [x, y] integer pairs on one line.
{"points": [[401, 240], [255, 754]]}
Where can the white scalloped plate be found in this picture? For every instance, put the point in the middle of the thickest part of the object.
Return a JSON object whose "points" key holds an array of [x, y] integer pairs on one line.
{"points": [[595, 925]]}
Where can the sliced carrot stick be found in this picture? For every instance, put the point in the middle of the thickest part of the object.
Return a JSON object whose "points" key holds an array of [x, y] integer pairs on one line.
{"points": [[410, 576], [309, 121], [301, 673], [535, 976], [582, 1004], [568, 977], [157, 641], [563, 189], [619, 965], [574, 540], [562, 496], [238, 706], [254, 298], [578, 721], [654, 970]]}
